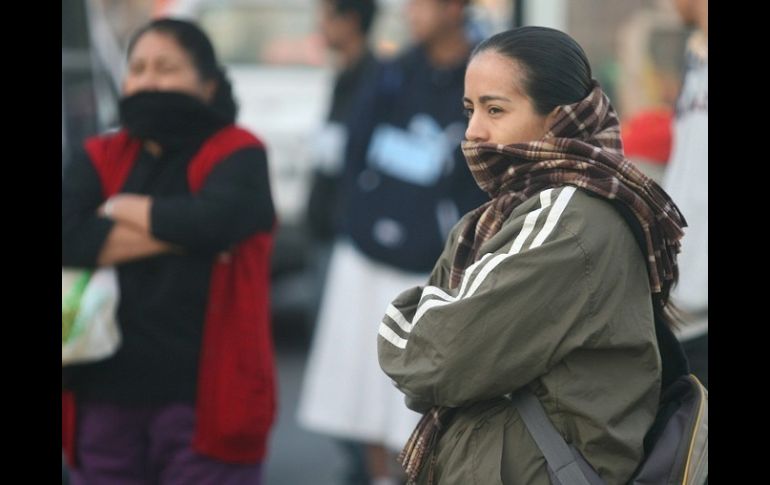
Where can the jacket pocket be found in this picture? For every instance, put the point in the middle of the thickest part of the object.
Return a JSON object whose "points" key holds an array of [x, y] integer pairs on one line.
{"points": [[522, 462], [470, 448]]}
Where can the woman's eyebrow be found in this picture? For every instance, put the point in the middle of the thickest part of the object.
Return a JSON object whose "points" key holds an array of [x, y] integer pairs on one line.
{"points": [[487, 98]]}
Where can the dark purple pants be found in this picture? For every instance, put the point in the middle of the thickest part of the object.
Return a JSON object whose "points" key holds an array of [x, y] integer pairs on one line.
{"points": [[147, 445]]}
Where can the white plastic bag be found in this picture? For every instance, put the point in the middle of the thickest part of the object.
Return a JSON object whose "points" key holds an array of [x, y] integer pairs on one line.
{"points": [[90, 329]]}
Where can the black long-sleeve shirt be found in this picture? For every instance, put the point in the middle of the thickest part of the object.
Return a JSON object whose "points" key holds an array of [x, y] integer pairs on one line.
{"points": [[162, 298]]}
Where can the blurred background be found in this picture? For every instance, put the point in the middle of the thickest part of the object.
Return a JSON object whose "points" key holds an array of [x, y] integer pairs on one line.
{"points": [[283, 78]]}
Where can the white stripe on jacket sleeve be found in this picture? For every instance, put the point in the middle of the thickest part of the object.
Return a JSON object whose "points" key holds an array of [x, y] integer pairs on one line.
{"points": [[473, 280], [554, 215], [391, 336]]}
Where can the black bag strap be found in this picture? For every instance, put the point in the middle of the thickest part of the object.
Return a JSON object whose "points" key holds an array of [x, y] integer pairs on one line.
{"points": [[561, 461]]}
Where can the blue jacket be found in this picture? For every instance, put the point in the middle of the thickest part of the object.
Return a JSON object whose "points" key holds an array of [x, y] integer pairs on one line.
{"points": [[406, 178]]}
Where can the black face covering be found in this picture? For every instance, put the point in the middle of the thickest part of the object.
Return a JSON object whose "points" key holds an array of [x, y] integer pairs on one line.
{"points": [[172, 119]]}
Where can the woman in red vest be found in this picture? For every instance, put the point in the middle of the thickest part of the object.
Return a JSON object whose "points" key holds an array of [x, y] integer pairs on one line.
{"points": [[178, 200]]}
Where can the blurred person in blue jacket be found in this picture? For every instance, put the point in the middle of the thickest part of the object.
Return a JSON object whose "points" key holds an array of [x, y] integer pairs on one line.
{"points": [[405, 184], [344, 25]]}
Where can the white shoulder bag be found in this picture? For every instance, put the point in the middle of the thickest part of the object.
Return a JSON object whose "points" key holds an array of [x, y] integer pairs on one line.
{"points": [[90, 329]]}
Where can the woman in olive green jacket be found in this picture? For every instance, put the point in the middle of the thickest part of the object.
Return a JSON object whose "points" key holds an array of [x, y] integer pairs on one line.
{"points": [[544, 287]]}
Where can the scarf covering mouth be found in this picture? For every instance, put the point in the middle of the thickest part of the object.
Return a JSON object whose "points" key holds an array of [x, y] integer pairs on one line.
{"points": [[173, 119], [582, 148]]}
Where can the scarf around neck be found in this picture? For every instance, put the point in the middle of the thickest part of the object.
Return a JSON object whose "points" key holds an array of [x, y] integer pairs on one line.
{"points": [[173, 119], [582, 148]]}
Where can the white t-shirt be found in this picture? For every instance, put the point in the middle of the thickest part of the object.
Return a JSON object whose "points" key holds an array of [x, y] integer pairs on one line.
{"points": [[686, 179]]}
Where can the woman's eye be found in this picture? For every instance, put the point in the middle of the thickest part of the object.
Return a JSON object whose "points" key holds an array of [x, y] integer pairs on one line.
{"points": [[167, 68], [468, 112], [493, 110]]}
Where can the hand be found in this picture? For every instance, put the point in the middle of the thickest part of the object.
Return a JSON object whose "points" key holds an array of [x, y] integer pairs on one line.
{"points": [[108, 207], [132, 209]]}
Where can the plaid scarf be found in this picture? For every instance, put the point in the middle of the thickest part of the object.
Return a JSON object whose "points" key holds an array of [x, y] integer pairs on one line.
{"points": [[583, 149]]}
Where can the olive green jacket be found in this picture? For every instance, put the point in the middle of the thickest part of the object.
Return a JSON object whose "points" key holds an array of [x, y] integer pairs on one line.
{"points": [[560, 302]]}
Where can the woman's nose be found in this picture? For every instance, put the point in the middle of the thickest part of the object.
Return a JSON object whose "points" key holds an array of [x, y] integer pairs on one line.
{"points": [[475, 130], [148, 81]]}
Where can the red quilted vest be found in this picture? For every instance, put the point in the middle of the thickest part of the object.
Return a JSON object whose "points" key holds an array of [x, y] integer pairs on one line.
{"points": [[236, 399]]}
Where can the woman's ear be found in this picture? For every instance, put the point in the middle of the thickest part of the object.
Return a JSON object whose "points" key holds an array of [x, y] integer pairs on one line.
{"points": [[549, 120]]}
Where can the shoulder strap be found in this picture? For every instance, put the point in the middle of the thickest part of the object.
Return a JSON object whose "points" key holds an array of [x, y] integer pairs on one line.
{"points": [[562, 462], [387, 89]]}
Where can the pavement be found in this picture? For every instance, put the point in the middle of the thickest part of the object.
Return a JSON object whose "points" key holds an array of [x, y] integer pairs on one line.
{"points": [[296, 456]]}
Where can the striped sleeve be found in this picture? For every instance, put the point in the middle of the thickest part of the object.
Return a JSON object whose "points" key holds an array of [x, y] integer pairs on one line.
{"points": [[518, 309]]}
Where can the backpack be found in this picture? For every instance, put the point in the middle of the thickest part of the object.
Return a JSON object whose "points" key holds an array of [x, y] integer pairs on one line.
{"points": [[676, 446]]}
